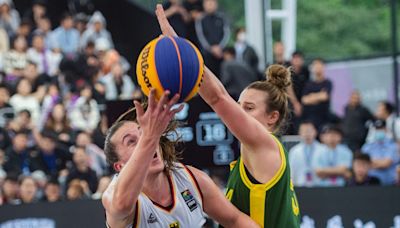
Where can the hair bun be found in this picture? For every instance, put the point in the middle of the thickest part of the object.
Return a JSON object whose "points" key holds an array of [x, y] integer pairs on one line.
{"points": [[279, 76]]}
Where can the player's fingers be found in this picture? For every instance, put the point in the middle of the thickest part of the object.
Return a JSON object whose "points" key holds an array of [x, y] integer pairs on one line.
{"points": [[151, 99], [176, 110], [139, 108], [166, 28], [163, 101], [173, 101]]}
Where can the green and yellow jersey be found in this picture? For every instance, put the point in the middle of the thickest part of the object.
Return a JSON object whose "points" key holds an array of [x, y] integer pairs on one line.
{"points": [[273, 204]]}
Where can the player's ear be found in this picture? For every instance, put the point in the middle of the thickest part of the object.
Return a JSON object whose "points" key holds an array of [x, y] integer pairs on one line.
{"points": [[117, 166]]}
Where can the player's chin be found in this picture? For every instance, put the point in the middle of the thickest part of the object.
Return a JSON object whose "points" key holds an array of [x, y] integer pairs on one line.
{"points": [[156, 165]]}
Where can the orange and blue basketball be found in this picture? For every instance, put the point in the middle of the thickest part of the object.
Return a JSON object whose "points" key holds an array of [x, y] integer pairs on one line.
{"points": [[170, 63]]}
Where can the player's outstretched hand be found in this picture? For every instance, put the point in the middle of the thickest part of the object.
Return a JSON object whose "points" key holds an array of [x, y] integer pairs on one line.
{"points": [[166, 28], [156, 118]]}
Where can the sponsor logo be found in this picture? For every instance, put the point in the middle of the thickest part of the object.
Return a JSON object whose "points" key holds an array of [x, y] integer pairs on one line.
{"points": [[144, 66], [152, 218], [189, 199], [174, 225]]}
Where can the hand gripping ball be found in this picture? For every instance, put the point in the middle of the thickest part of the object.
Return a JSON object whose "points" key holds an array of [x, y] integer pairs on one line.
{"points": [[170, 63]]}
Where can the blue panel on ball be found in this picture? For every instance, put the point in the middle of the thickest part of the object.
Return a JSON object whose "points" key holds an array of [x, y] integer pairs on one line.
{"points": [[167, 65], [190, 66]]}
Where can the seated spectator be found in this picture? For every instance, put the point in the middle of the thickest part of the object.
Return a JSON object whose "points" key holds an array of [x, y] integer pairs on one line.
{"points": [[15, 60], [49, 158], [103, 184], [75, 190], [9, 19], [22, 123], [80, 23], [36, 12], [213, 32], [302, 156], [244, 52], [279, 54], [85, 114], [81, 170], [58, 124], [118, 84], [355, 121], [52, 191], [385, 111], [6, 110], [18, 156], [44, 29], [25, 99], [27, 190], [235, 75], [96, 28], [384, 154], [96, 157], [177, 16], [316, 96], [40, 179], [66, 37], [333, 162], [10, 189], [361, 166], [47, 62]]}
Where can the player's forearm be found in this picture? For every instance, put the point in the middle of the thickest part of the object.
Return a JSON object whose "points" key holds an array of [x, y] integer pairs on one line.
{"points": [[242, 221], [211, 89], [132, 176]]}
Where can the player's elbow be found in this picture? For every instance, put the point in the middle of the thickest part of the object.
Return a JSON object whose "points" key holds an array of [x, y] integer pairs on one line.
{"points": [[121, 204]]}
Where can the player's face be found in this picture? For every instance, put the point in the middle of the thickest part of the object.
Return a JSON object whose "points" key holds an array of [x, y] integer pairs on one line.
{"points": [[253, 102], [125, 140]]}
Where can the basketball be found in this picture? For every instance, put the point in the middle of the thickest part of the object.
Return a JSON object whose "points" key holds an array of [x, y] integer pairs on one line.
{"points": [[170, 63]]}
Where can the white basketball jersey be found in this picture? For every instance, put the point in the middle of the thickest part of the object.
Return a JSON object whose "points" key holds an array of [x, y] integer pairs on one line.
{"points": [[186, 209]]}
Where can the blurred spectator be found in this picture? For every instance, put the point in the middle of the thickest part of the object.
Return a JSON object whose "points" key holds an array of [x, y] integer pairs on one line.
{"points": [[24, 29], [302, 156], [52, 191], [18, 156], [177, 16], [80, 21], [36, 12], [9, 17], [4, 44], [41, 180], [15, 60], [213, 32], [195, 10], [47, 61], [235, 75], [279, 54], [25, 99], [96, 157], [10, 189], [44, 29], [354, 122], [58, 124], [75, 190], [6, 110], [5, 140], [99, 133], [22, 122], [118, 84], [81, 170], [38, 81], [244, 52], [332, 163], [27, 190], [66, 37], [103, 184], [385, 111], [49, 158], [361, 166], [85, 113], [384, 154], [96, 29], [2, 161], [316, 96]]}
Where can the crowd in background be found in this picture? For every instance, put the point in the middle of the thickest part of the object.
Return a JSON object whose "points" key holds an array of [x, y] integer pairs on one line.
{"points": [[56, 79]]}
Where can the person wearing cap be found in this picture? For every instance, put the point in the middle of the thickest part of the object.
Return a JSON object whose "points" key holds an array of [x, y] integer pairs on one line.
{"points": [[333, 162], [384, 154]]}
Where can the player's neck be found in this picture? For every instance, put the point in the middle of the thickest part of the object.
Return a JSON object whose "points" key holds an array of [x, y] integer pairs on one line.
{"points": [[157, 188]]}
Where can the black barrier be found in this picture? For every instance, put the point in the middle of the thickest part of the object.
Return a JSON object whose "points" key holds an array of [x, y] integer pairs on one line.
{"points": [[339, 207]]}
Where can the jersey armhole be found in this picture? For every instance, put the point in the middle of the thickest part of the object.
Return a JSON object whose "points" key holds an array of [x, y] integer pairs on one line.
{"points": [[195, 182]]}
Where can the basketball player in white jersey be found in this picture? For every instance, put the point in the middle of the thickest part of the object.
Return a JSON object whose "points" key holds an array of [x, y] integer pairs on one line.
{"points": [[151, 189]]}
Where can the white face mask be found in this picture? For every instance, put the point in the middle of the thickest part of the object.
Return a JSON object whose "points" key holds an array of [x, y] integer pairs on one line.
{"points": [[241, 37]]}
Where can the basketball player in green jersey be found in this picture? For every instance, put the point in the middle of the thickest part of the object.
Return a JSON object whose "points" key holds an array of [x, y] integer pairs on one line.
{"points": [[259, 183]]}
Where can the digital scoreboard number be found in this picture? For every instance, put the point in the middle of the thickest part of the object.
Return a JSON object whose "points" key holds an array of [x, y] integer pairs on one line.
{"points": [[212, 133]]}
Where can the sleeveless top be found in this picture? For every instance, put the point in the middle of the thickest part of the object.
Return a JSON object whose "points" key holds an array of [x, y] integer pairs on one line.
{"points": [[273, 204], [186, 209]]}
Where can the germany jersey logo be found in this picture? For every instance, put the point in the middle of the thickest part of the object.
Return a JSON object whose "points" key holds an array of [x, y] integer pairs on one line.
{"points": [[174, 225]]}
